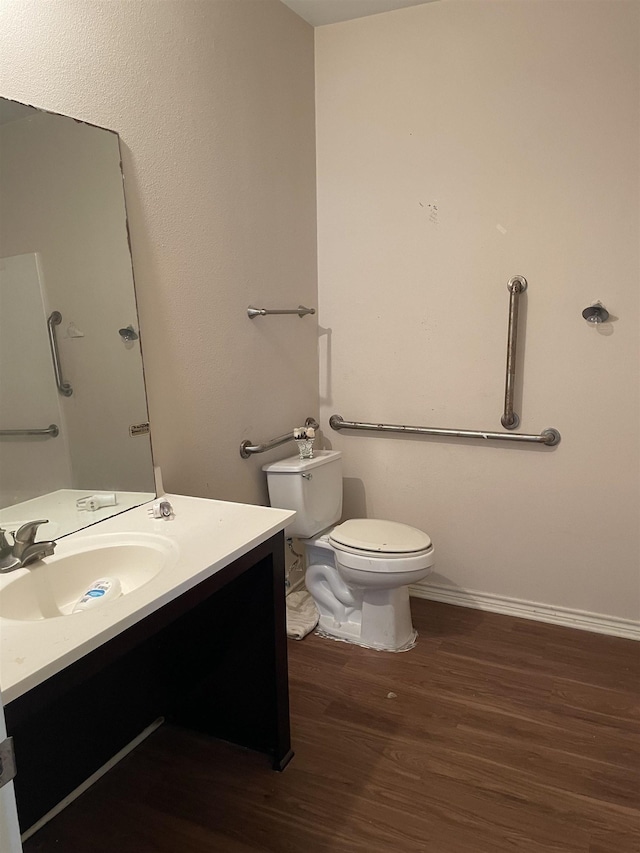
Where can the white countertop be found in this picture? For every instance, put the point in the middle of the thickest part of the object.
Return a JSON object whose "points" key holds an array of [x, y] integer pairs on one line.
{"points": [[207, 535], [64, 517]]}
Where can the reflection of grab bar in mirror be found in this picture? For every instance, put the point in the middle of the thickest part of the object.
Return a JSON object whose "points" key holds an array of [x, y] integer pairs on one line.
{"points": [[516, 287], [55, 318], [51, 430]]}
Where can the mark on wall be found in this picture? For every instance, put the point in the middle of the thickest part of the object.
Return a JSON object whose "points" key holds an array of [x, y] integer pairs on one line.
{"points": [[432, 210]]}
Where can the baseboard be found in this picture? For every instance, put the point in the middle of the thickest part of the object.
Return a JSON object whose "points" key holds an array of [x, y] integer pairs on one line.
{"points": [[93, 778], [582, 619]]}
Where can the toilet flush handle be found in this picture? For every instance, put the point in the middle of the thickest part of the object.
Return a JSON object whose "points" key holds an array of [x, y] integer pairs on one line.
{"points": [[306, 476]]}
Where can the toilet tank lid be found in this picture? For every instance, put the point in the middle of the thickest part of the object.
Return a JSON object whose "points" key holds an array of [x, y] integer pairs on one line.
{"points": [[371, 534], [293, 464]]}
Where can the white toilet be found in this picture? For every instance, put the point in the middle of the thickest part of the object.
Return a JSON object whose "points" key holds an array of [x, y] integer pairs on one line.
{"points": [[358, 572]]}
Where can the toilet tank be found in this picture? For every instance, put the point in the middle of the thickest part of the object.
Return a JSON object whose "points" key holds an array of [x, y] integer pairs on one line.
{"points": [[312, 487]]}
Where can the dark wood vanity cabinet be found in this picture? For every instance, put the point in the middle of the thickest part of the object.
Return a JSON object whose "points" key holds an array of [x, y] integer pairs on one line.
{"points": [[214, 659]]}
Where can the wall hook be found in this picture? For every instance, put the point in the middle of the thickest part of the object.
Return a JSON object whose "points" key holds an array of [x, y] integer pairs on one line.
{"points": [[596, 313], [128, 333]]}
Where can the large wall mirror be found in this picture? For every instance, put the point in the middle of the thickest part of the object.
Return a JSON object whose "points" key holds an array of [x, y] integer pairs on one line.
{"points": [[74, 438]]}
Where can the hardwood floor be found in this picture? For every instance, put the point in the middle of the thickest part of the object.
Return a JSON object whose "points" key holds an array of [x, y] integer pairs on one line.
{"points": [[493, 735]]}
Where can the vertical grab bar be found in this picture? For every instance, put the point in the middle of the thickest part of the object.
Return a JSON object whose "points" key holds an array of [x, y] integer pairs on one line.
{"points": [[55, 318], [516, 286]]}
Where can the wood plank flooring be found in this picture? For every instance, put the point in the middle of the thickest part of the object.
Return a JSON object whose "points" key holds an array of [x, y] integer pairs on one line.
{"points": [[493, 735]]}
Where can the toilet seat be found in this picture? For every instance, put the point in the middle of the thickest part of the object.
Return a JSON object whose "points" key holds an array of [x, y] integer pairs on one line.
{"points": [[360, 544], [372, 536]]}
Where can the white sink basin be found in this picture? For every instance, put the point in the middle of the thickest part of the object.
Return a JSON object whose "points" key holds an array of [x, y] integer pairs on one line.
{"points": [[50, 588]]}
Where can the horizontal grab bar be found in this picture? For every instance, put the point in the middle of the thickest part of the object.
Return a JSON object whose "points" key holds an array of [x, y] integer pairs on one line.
{"points": [[51, 430], [261, 312], [247, 448], [549, 436]]}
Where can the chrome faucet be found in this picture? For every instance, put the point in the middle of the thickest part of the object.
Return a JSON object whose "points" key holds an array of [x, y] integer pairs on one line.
{"points": [[24, 549]]}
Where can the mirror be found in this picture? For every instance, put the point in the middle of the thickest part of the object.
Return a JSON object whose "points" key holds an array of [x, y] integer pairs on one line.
{"points": [[74, 434]]}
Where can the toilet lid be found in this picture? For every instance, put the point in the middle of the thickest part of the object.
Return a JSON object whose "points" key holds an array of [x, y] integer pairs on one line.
{"points": [[385, 537]]}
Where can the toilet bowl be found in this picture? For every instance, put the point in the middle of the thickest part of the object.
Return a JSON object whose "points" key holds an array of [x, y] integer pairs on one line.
{"points": [[362, 593], [357, 572]]}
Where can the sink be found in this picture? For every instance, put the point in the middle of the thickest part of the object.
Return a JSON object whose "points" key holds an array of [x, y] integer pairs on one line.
{"points": [[50, 588]]}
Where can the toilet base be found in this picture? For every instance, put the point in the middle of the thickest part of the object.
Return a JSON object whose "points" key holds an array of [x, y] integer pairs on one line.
{"points": [[383, 622], [352, 636], [364, 600]]}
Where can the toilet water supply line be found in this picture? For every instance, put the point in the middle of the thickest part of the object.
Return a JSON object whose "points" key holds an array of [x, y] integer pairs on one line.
{"points": [[296, 566]]}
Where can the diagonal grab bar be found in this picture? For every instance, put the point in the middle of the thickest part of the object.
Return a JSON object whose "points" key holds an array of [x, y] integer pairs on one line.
{"points": [[247, 448]]}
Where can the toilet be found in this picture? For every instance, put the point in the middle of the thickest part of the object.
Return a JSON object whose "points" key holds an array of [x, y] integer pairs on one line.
{"points": [[357, 572]]}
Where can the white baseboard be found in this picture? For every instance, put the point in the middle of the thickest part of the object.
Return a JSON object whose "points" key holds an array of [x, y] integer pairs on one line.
{"points": [[93, 778], [582, 619]]}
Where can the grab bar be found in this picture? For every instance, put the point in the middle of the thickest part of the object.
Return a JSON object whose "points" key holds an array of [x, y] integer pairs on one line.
{"points": [[549, 436], [247, 448], [261, 312], [55, 318], [516, 286], [51, 430]]}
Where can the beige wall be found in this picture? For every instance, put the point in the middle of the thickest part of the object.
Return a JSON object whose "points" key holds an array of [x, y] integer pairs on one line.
{"points": [[517, 120], [459, 144], [214, 105]]}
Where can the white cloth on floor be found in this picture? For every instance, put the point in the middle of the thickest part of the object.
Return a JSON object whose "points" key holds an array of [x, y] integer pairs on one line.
{"points": [[302, 614]]}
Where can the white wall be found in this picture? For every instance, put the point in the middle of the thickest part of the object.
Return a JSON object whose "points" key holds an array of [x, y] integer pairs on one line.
{"points": [[214, 105], [518, 121]]}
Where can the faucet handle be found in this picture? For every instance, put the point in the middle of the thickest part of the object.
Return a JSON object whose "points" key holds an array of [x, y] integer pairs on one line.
{"points": [[26, 535], [5, 546]]}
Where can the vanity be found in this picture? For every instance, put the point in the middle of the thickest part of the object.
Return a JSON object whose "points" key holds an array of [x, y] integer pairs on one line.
{"points": [[197, 636], [201, 642]]}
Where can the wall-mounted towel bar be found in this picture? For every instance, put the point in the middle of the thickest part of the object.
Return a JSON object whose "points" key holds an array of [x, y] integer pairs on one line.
{"points": [[55, 318], [247, 448], [549, 436], [261, 312], [51, 430]]}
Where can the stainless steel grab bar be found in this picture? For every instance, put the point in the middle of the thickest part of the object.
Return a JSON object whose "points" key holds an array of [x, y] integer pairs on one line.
{"points": [[516, 286], [55, 318], [549, 436], [51, 430], [261, 312], [247, 448]]}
